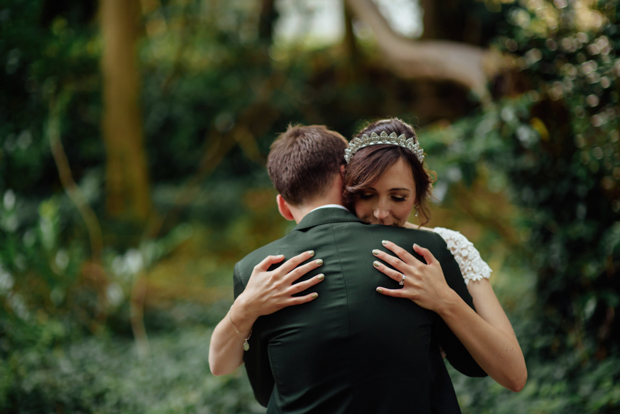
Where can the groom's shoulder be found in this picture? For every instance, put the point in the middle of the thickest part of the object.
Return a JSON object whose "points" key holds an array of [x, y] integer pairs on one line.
{"points": [[418, 234], [425, 238], [259, 254], [243, 268]]}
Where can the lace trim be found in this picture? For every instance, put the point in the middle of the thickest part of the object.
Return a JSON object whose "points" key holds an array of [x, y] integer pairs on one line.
{"points": [[466, 255]]}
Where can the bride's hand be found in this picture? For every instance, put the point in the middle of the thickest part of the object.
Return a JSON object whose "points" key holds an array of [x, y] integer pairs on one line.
{"points": [[424, 284], [269, 291], [266, 292]]}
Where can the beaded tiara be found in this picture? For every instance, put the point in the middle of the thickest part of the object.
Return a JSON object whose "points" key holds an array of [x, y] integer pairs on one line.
{"points": [[383, 138]]}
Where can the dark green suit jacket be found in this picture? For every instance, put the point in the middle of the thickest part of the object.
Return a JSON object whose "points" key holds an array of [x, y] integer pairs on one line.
{"points": [[353, 350]]}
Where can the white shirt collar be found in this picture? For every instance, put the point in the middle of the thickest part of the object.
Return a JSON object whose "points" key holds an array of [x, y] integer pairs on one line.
{"points": [[330, 206]]}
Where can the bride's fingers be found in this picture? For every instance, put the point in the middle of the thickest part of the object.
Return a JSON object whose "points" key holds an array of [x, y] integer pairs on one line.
{"points": [[395, 262], [400, 252], [295, 261], [268, 261], [301, 286], [395, 293], [302, 270], [392, 274], [425, 253], [298, 300]]}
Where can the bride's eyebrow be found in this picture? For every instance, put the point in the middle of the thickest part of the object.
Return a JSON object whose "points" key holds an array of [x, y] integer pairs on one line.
{"points": [[400, 189]]}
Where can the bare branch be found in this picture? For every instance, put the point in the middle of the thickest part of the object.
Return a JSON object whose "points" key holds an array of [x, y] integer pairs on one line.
{"points": [[138, 297], [94, 270], [57, 106], [464, 64]]}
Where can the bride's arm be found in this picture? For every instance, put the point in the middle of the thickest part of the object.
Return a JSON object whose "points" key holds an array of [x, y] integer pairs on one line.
{"points": [[476, 273], [266, 293], [226, 346], [487, 335], [490, 310]]}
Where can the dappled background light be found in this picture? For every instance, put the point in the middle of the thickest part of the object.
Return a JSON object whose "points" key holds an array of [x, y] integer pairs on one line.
{"points": [[133, 142]]}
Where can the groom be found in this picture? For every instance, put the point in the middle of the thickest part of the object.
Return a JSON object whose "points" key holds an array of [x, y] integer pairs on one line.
{"points": [[351, 350]]}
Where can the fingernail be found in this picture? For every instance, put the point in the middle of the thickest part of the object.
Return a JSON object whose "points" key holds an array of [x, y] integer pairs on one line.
{"points": [[415, 245], [376, 264], [315, 295], [379, 290], [280, 255], [375, 252], [319, 262], [321, 276], [311, 253], [384, 242]]}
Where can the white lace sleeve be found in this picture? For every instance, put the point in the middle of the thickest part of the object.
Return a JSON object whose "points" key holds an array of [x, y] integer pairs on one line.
{"points": [[466, 255]]}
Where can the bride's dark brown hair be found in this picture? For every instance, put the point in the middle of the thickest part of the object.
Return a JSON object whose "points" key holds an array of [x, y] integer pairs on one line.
{"points": [[369, 163]]}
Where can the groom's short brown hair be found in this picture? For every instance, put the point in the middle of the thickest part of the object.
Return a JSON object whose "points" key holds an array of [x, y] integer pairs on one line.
{"points": [[304, 160]]}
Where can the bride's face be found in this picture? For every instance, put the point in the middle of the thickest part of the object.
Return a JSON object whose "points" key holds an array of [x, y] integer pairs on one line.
{"points": [[390, 199]]}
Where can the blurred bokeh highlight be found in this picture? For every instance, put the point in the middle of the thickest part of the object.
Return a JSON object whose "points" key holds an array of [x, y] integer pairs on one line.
{"points": [[133, 140]]}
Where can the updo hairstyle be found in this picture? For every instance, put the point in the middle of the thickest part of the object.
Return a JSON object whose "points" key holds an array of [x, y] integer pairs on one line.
{"points": [[369, 163]]}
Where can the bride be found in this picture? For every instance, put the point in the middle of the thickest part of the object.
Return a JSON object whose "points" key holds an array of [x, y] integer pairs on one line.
{"points": [[385, 180]]}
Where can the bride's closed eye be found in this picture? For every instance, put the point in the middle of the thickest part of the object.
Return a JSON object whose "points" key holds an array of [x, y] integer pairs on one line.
{"points": [[366, 196], [399, 199]]}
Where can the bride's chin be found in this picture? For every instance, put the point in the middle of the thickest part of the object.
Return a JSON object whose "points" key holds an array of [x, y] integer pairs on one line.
{"points": [[393, 223], [369, 220], [399, 223]]}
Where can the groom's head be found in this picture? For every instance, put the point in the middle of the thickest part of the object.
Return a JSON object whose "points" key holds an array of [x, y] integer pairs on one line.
{"points": [[304, 161]]}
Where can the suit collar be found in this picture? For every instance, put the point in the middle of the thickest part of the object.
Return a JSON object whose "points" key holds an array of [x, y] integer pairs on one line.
{"points": [[323, 216]]}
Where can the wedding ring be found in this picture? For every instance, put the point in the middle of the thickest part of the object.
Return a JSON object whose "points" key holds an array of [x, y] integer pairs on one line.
{"points": [[402, 282]]}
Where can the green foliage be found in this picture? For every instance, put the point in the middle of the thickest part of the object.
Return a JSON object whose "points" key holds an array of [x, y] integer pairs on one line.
{"points": [[98, 375], [42, 55], [555, 149], [566, 167]]}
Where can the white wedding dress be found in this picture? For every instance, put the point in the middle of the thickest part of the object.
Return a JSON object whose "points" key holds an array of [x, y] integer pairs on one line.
{"points": [[467, 256]]}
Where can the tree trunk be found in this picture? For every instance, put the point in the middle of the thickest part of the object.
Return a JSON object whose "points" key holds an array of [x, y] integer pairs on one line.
{"points": [[349, 42], [127, 182], [268, 15], [429, 10]]}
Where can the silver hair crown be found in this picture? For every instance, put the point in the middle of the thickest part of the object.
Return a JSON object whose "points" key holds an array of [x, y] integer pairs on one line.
{"points": [[383, 138]]}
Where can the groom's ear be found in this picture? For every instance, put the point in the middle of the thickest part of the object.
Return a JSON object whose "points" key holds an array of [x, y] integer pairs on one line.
{"points": [[283, 208], [342, 170]]}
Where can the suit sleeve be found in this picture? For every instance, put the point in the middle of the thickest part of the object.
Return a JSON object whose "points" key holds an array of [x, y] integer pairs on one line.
{"points": [[455, 351], [256, 359]]}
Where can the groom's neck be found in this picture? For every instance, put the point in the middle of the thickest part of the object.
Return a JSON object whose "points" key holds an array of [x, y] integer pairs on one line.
{"points": [[333, 195], [300, 212]]}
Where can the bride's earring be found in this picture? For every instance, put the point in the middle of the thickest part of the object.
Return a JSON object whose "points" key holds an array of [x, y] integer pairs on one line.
{"points": [[416, 211]]}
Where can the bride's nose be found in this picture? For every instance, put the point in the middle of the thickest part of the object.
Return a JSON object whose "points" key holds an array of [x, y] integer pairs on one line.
{"points": [[381, 213]]}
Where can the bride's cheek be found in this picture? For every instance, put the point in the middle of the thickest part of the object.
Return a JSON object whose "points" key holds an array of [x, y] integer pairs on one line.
{"points": [[361, 209]]}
